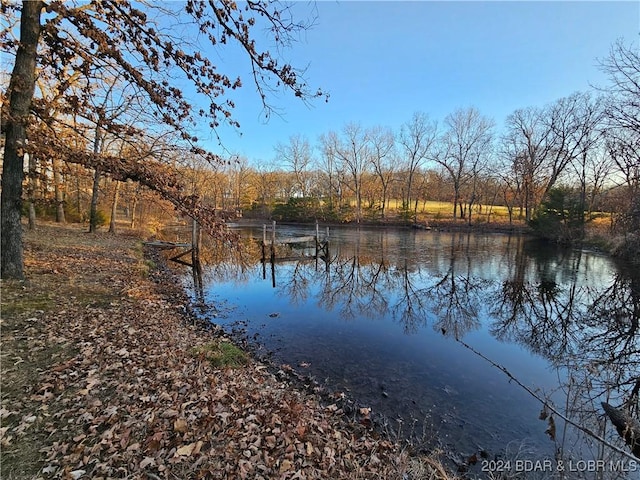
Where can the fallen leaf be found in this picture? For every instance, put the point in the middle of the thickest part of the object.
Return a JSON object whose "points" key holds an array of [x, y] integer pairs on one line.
{"points": [[170, 413], [186, 450], [285, 466], [147, 461], [198, 447], [180, 425], [123, 352]]}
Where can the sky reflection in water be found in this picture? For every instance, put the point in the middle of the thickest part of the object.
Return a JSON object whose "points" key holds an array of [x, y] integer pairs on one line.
{"points": [[380, 322]]}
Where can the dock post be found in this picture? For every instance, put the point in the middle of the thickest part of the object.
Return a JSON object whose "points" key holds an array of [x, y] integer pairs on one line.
{"points": [[264, 242], [196, 266], [273, 241], [195, 242], [326, 245]]}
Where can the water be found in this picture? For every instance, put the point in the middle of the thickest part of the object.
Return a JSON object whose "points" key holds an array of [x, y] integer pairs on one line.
{"points": [[441, 334]]}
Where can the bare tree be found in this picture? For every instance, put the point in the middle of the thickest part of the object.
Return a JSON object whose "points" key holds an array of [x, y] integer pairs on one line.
{"points": [[542, 142], [239, 182], [465, 144], [383, 159], [266, 180], [623, 67], [327, 164], [417, 139], [351, 151], [591, 164], [297, 156], [354, 155], [622, 113]]}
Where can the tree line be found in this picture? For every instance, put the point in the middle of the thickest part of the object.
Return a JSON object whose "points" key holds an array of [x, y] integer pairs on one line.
{"points": [[95, 110]]}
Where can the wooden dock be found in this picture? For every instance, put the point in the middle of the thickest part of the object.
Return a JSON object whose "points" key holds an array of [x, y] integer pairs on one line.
{"points": [[166, 245], [270, 241]]}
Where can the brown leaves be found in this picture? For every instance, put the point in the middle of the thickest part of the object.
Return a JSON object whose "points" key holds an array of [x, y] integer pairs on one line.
{"points": [[134, 399], [551, 429], [551, 424], [190, 449]]}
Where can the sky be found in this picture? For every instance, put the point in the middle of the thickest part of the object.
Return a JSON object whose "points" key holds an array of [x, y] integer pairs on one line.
{"points": [[381, 61]]}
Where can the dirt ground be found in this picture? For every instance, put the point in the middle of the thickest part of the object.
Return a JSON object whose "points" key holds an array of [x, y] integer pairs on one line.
{"points": [[104, 375]]}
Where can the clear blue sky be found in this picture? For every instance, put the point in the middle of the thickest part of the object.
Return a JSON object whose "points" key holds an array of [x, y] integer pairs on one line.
{"points": [[382, 61]]}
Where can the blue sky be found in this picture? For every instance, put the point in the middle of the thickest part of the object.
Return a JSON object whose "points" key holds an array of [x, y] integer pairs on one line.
{"points": [[383, 61]]}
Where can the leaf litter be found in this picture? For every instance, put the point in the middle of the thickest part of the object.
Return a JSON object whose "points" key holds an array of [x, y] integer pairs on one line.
{"points": [[118, 393]]}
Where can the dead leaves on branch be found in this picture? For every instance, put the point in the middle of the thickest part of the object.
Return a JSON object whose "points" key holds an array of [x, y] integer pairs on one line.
{"points": [[134, 401], [153, 174]]}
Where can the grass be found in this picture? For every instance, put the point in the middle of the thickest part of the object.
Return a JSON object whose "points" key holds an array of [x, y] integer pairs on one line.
{"points": [[436, 210], [13, 304], [221, 353], [26, 353]]}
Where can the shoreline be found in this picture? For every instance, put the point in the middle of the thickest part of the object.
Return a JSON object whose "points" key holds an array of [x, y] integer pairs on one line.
{"points": [[101, 378], [196, 312], [435, 225]]}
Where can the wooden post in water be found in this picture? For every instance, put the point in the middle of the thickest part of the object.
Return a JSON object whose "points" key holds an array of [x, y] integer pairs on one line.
{"points": [[196, 267], [325, 246], [273, 241], [317, 241], [195, 242], [264, 242], [273, 274]]}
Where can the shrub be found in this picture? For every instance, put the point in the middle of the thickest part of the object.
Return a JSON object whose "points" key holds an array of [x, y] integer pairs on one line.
{"points": [[559, 217]]}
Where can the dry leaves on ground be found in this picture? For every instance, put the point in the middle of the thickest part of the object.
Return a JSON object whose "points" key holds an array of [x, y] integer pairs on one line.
{"points": [[120, 393]]}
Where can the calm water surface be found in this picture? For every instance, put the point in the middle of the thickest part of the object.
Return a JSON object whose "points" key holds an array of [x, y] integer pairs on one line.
{"points": [[440, 333]]}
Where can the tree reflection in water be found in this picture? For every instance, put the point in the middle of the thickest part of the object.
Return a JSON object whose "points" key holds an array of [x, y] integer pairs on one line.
{"points": [[589, 333], [517, 289]]}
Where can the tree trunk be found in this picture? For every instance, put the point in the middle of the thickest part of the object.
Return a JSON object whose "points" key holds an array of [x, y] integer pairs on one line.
{"points": [[21, 88], [114, 208], [58, 189], [627, 426], [455, 203], [32, 188], [133, 212], [93, 212], [78, 204], [32, 214]]}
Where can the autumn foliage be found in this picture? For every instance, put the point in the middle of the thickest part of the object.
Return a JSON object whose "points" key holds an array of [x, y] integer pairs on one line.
{"points": [[112, 77]]}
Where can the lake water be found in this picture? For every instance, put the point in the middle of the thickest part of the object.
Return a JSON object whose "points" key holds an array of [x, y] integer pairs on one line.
{"points": [[441, 335]]}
